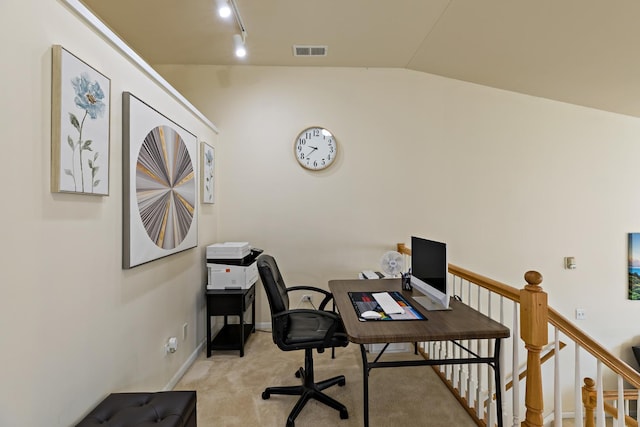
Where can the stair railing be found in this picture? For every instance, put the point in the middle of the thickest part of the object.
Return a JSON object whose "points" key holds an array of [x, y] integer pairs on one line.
{"points": [[548, 387]]}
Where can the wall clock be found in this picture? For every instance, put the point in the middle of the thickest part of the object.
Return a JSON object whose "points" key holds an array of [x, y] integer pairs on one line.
{"points": [[315, 148]]}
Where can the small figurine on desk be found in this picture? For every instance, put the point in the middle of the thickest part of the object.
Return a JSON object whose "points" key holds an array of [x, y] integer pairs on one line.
{"points": [[406, 281]]}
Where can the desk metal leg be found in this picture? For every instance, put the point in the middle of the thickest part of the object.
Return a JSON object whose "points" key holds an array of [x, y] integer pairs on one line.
{"points": [[496, 373], [365, 384], [493, 361]]}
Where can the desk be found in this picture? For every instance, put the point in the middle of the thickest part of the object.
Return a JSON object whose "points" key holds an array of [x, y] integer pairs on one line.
{"points": [[230, 302], [460, 323]]}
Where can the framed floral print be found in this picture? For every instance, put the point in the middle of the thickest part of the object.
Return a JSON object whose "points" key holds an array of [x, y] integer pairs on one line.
{"points": [[160, 197], [80, 116], [208, 169]]}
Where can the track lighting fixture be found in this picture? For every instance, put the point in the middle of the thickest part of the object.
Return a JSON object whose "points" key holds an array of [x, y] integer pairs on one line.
{"points": [[227, 8]]}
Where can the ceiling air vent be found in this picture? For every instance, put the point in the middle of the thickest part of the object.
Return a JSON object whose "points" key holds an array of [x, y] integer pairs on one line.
{"points": [[308, 50]]}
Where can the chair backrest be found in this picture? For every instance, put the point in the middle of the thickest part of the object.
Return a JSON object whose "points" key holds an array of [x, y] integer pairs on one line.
{"points": [[273, 283]]}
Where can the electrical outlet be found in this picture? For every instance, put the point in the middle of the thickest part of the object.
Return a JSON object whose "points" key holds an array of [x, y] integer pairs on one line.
{"points": [[185, 329], [581, 314], [305, 298]]}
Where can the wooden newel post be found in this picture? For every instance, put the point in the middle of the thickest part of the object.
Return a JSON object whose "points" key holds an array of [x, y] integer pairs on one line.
{"points": [[534, 333], [589, 401]]}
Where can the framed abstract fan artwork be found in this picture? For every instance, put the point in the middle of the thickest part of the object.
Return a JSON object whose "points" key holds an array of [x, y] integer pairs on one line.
{"points": [[159, 184], [207, 167], [80, 112]]}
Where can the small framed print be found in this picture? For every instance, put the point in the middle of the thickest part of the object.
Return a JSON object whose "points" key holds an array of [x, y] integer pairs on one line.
{"points": [[80, 119], [208, 173]]}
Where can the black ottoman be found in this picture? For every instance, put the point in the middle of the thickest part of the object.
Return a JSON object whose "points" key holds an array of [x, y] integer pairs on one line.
{"points": [[160, 409]]}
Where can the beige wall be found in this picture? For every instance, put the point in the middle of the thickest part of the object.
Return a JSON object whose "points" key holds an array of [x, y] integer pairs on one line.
{"points": [[74, 326], [510, 182]]}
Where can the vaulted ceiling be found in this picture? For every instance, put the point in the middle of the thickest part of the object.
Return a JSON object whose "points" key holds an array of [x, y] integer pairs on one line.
{"points": [[583, 52]]}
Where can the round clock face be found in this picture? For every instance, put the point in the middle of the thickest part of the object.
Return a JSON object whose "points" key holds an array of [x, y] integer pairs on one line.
{"points": [[315, 148]]}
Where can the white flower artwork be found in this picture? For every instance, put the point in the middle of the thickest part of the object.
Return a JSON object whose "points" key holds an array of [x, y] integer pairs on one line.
{"points": [[80, 126]]}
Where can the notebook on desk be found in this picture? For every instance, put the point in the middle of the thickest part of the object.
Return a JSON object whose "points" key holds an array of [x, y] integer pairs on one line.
{"points": [[364, 301]]}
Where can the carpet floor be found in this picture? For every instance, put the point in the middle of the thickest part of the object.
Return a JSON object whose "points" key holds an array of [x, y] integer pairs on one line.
{"points": [[229, 390]]}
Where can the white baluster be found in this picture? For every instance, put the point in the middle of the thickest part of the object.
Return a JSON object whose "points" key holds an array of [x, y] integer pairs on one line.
{"points": [[515, 367], [599, 397], [620, 402], [579, 413], [557, 409]]}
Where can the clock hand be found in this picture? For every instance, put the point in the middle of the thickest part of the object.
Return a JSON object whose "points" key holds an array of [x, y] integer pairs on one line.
{"points": [[314, 149]]}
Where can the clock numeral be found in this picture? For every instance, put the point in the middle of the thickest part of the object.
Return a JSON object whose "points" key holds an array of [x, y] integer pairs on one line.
{"points": [[316, 132]]}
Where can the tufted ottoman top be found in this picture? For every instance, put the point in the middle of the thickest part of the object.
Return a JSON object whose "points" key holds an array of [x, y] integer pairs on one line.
{"points": [[160, 409]]}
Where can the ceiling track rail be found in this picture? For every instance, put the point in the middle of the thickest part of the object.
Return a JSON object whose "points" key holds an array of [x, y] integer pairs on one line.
{"points": [[236, 13]]}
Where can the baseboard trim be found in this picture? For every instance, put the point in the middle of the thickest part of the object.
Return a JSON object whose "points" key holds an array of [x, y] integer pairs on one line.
{"points": [[265, 326], [185, 367]]}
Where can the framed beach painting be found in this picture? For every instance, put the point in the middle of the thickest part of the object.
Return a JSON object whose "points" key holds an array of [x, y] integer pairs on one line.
{"points": [[80, 116], [208, 168], [159, 184], [634, 266]]}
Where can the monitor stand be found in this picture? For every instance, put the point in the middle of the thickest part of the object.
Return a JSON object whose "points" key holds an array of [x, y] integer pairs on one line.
{"points": [[430, 304]]}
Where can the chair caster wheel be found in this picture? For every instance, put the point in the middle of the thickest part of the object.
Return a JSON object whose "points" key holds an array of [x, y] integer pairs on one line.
{"points": [[290, 423], [298, 374], [344, 415], [342, 383], [266, 395]]}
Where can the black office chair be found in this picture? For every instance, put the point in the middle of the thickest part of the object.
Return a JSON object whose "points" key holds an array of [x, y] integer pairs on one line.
{"points": [[302, 329]]}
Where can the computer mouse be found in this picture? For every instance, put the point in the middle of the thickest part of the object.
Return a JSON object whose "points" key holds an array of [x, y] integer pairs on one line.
{"points": [[371, 315]]}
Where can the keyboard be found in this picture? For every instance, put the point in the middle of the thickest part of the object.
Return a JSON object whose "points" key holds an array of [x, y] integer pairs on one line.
{"points": [[387, 303]]}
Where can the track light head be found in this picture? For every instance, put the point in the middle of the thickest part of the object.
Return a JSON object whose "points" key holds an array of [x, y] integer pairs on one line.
{"points": [[224, 10], [238, 44]]}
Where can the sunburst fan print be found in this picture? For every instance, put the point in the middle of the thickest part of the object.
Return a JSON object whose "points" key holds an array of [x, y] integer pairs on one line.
{"points": [[165, 187]]}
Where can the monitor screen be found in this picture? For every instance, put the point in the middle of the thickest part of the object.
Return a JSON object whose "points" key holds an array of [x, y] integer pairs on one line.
{"points": [[429, 268]]}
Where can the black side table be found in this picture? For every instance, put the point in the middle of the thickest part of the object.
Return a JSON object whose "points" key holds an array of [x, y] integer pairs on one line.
{"points": [[230, 302]]}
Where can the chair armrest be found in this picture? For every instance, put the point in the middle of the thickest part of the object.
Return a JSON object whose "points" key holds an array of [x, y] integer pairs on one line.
{"points": [[327, 295]]}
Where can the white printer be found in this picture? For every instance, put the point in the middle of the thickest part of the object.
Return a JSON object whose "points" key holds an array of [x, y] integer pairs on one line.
{"points": [[232, 265]]}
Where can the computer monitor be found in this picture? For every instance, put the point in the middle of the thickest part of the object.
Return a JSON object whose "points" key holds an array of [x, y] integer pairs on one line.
{"points": [[429, 269]]}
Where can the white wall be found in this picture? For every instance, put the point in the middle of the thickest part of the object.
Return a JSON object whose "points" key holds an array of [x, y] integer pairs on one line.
{"points": [[511, 182], [74, 325]]}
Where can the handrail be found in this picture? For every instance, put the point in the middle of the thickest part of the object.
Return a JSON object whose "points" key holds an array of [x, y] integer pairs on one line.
{"points": [[591, 346], [492, 285], [485, 282]]}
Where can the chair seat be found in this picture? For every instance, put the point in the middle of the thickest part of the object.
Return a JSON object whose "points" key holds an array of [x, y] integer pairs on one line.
{"points": [[306, 330]]}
